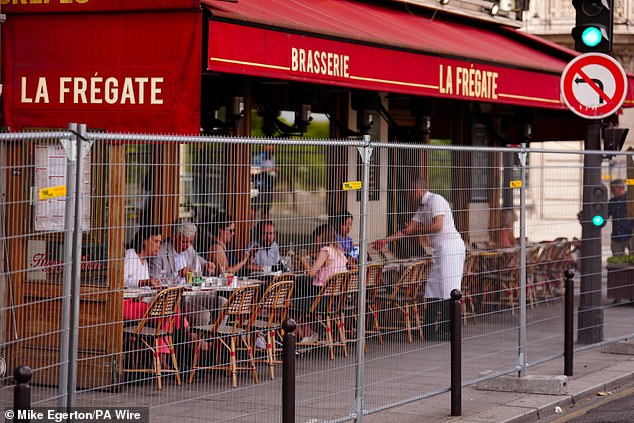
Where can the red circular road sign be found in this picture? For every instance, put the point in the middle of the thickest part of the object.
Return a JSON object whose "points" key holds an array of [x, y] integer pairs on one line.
{"points": [[593, 85]]}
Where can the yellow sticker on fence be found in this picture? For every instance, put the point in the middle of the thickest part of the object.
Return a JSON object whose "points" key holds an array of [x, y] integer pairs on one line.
{"points": [[52, 192], [629, 182], [352, 186], [515, 184]]}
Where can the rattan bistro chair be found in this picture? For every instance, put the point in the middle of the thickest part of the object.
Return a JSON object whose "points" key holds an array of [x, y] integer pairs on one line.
{"points": [[270, 314], [471, 291], [157, 324], [327, 309], [405, 299], [231, 333], [351, 307]]}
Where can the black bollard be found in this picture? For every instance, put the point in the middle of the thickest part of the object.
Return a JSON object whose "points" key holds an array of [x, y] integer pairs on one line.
{"points": [[456, 353], [569, 315], [288, 371], [22, 392]]}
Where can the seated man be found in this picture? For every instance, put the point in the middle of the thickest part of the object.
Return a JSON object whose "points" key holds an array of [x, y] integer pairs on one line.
{"points": [[175, 258], [265, 251]]}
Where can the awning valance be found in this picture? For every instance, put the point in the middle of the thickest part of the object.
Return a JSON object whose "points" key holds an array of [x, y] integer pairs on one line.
{"points": [[360, 45], [117, 71], [85, 6]]}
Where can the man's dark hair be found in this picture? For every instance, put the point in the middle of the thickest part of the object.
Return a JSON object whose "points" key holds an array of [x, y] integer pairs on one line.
{"points": [[339, 218], [259, 228]]}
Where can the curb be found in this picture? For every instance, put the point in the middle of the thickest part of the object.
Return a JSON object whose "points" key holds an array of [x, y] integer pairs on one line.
{"points": [[548, 409]]}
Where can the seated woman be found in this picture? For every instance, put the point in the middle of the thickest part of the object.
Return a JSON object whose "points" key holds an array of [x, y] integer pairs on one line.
{"points": [[223, 229], [330, 260], [145, 245], [136, 271]]}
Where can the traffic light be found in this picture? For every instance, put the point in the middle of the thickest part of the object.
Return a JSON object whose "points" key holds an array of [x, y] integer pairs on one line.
{"points": [[593, 30], [599, 206], [614, 138]]}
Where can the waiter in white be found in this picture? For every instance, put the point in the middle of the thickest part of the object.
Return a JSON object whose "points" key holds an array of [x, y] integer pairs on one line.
{"points": [[434, 219]]}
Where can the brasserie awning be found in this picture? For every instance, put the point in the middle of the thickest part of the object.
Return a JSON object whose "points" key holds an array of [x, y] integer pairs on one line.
{"points": [[114, 65], [395, 49]]}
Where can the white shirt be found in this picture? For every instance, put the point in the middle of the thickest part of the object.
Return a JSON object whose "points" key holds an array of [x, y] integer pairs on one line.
{"points": [[179, 262], [133, 269], [266, 256], [449, 248], [432, 205]]}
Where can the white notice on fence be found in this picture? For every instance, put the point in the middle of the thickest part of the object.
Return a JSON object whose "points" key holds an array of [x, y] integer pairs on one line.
{"points": [[50, 171]]}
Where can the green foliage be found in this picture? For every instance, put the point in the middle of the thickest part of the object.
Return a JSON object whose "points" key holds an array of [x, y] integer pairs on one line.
{"points": [[441, 169], [624, 259], [299, 166]]}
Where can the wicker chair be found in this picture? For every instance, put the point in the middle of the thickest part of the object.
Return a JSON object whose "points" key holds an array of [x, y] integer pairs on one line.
{"points": [[230, 332], [404, 299], [157, 324], [327, 308], [270, 315]]}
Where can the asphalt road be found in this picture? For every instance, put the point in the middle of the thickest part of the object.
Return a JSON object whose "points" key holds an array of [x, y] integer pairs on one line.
{"points": [[608, 407]]}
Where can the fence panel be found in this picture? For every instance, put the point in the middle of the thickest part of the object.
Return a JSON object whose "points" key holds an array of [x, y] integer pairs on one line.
{"points": [[159, 209]]}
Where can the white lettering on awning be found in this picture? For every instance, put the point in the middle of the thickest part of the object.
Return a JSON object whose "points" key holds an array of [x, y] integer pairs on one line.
{"points": [[131, 90]]}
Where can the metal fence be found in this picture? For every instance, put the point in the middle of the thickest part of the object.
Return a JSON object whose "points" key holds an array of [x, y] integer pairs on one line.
{"points": [[66, 247]]}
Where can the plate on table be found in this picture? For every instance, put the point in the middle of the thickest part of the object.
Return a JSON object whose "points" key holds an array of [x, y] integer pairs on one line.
{"points": [[266, 274], [137, 292]]}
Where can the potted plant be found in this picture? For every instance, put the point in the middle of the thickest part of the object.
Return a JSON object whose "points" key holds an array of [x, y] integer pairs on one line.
{"points": [[621, 277]]}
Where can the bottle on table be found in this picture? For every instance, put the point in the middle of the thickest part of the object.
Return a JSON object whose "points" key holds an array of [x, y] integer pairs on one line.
{"points": [[197, 274], [289, 258]]}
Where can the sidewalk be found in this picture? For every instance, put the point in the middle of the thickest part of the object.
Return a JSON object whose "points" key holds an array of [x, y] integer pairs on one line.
{"points": [[594, 372]]}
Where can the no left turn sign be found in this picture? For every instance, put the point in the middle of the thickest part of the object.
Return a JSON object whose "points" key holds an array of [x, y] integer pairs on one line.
{"points": [[593, 85]]}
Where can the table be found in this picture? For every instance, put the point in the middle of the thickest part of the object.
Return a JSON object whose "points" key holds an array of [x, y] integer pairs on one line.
{"points": [[200, 299], [143, 292]]}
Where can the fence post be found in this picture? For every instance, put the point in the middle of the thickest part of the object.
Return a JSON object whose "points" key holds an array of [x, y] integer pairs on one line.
{"points": [[522, 335], [70, 145], [365, 152], [569, 322], [288, 371], [22, 391], [456, 353]]}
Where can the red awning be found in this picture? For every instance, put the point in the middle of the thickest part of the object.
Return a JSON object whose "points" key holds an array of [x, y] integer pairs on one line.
{"points": [[85, 6], [123, 71], [365, 46]]}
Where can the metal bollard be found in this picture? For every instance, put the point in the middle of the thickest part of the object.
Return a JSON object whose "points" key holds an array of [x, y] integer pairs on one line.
{"points": [[456, 353], [569, 315], [288, 371], [22, 391]]}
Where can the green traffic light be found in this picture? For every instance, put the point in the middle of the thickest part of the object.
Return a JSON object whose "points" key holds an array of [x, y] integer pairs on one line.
{"points": [[597, 220], [591, 36]]}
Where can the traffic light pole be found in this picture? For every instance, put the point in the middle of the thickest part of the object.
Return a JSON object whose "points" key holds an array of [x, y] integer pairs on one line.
{"points": [[590, 317]]}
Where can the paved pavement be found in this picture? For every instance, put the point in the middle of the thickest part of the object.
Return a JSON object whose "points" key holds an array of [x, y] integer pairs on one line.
{"points": [[325, 388], [596, 372]]}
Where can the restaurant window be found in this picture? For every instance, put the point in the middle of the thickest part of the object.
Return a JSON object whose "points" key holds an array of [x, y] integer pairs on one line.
{"points": [[202, 189], [480, 164], [297, 195], [440, 172], [139, 193]]}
